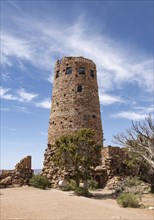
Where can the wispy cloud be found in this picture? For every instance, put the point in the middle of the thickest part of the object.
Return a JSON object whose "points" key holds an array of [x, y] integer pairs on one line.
{"points": [[14, 47], [46, 103], [116, 64], [21, 95], [25, 96], [129, 115], [139, 113], [50, 79], [106, 99], [5, 95]]}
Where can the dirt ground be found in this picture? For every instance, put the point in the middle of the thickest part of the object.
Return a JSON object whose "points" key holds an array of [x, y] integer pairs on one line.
{"points": [[27, 203]]}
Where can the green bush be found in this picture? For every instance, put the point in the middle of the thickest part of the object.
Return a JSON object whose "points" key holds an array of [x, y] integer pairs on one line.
{"points": [[128, 200], [132, 181], [92, 184], [130, 184], [72, 184], [39, 181], [69, 187], [80, 191]]}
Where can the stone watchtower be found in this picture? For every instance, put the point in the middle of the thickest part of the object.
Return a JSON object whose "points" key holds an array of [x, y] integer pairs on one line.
{"points": [[75, 102]]}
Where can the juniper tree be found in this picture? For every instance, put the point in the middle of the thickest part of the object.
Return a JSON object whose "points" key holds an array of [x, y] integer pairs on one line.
{"points": [[78, 153]]}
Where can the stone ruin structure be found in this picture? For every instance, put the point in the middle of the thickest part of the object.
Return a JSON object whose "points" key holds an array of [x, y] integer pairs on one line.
{"points": [[113, 169], [75, 105], [112, 165], [19, 176]]}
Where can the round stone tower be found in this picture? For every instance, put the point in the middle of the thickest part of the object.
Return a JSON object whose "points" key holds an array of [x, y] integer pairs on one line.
{"points": [[75, 104], [75, 100]]}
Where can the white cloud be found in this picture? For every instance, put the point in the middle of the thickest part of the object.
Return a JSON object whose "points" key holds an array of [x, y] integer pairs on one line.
{"points": [[5, 95], [144, 109], [116, 64], [26, 96], [139, 113], [129, 115], [21, 95], [13, 46], [106, 99], [44, 104], [50, 79]]}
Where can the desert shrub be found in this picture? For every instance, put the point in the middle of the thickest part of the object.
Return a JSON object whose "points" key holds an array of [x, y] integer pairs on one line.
{"points": [[69, 187], [72, 184], [128, 200], [132, 181], [80, 191], [39, 181], [92, 184], [130, 185]]}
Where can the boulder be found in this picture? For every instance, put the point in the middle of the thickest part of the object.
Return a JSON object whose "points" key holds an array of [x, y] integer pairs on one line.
{"points": [[6, 181]]}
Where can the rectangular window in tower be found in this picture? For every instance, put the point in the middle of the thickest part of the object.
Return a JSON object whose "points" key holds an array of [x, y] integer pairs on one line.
{"points": [[57, 74], [69, 70], [92, 73], [81, 70]]}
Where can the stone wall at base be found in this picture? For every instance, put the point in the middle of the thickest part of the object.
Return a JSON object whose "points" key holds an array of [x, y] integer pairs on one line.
{"points": [[114, 168], [112, 165], [19, 176]]}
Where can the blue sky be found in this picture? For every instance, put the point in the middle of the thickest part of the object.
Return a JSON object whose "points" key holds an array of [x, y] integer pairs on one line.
{"points": [[116, 35]]}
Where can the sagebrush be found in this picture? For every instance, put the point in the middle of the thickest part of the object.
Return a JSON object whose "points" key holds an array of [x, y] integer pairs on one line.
{"points": [[39, 181], [128, 200]]}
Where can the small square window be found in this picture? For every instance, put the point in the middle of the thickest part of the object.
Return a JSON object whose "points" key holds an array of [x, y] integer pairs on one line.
{"points": [[79, 88], [92, 73], [69, 70], [57, 74], [81, 70]]}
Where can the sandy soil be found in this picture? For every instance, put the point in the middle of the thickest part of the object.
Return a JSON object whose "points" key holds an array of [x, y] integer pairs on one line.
{"points": [[26, 203]]}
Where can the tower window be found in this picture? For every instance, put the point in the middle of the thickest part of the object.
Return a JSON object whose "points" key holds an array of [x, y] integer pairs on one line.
{"points": [[69, 70], [57, 74], [81, 70], [92, 73], [79, 88]]}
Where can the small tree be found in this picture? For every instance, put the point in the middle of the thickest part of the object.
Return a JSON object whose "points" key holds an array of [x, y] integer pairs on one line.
{"points": [[139, 139], [77, 153]]}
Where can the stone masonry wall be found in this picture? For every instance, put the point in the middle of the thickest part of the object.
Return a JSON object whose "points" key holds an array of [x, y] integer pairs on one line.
{"points": [[114, 169], [75, 105], [19, 176], [72, 109]]}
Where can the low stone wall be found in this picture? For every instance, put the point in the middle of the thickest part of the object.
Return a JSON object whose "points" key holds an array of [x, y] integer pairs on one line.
{"points": [[19, 176], [111, 165]]}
